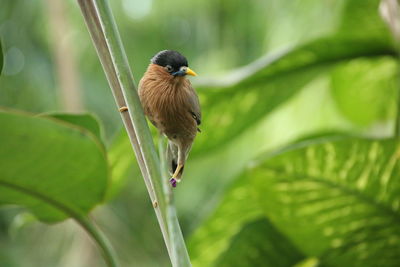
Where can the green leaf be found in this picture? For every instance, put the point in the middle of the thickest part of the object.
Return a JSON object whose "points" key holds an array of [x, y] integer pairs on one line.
{"points": [[87, 121], [365, 90], [363, 15], [237, 234], [336, 199], [213, 237], [232, 105], [52, 168], [259, 244]]}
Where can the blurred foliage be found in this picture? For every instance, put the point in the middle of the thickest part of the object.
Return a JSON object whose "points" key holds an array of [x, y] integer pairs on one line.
{"points": [[236, 108], [248, 247], [336, 199], [56, 170], [330, 66], [85, 121], [342, 193], [367, 76]]}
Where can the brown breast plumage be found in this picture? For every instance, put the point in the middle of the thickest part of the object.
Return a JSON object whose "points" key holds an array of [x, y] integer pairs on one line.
{"points": [[166, 102]]}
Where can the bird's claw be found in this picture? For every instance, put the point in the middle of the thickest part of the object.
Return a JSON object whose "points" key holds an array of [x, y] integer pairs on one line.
{"points": [[172, 181]]}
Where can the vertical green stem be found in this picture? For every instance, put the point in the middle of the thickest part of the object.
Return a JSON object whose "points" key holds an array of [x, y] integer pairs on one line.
{"points": [[107, 41], [106, 249], [180, 256]]}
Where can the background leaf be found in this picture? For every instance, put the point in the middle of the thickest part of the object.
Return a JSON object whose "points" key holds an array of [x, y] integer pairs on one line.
{"points": [[259, 244], [87, 121], [336, 199], [55, 170], [354, 87], [365, 15], [237, 234], [213, 238], [230, 110]]}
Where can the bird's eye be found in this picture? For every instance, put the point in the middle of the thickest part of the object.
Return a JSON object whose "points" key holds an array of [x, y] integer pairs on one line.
{"points": [[168, 68]]}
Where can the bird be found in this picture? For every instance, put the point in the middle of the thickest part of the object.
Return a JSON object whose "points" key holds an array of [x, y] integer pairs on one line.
{"points": [[172, 105]]}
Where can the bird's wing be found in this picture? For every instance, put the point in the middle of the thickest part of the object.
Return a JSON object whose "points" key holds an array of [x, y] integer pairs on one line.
{"points": [[194, 106]]}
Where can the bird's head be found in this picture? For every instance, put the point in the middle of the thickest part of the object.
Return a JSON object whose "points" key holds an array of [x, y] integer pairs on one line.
{"points": [[173, 62]]}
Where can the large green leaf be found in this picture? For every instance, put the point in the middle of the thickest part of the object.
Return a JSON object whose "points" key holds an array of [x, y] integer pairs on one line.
{"points": [[87, 121], [365, 90], [213, 237], [259, 244], [233, 104], [336, 199], [51, 167], [238, 235], [363, 14]]}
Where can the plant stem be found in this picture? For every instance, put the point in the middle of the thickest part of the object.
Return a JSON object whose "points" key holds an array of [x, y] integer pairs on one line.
{"points": [[104, 244], [101, 240], [107, 42], [180, 256]]}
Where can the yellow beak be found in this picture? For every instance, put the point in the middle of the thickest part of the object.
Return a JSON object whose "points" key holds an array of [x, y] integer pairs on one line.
{"points": [[190, 72]]}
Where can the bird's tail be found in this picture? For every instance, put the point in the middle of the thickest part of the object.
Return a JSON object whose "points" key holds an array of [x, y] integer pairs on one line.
{"points": [[172, 159]]}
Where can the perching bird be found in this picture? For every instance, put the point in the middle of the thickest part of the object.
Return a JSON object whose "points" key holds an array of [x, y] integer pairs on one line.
{"points": [[172, 105]]}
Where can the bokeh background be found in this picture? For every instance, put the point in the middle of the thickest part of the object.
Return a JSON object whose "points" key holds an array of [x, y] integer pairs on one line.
{"points": [[316, 67]]}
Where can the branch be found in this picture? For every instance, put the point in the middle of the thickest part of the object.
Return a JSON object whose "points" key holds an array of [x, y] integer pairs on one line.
{"points": [[180, 255], [107, 42]]}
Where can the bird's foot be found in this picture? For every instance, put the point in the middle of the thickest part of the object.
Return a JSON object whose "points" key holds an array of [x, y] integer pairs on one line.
{"points": [[172, 181]]}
